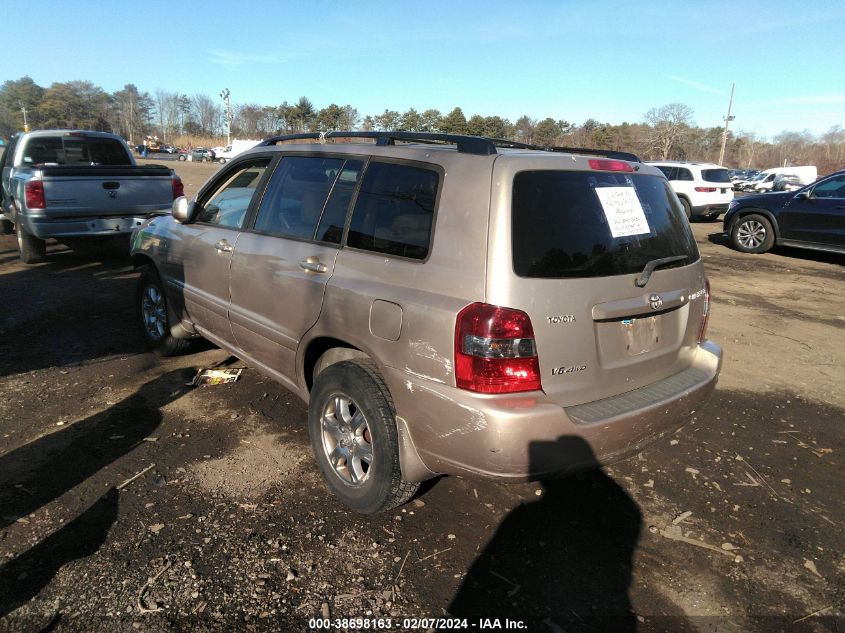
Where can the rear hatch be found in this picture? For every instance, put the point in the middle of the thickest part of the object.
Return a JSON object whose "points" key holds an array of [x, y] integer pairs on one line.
{"points": [[571, 242]]}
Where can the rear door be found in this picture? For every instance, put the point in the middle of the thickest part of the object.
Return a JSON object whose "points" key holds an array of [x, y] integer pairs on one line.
{"points": [[281, 266], [576, 244]]}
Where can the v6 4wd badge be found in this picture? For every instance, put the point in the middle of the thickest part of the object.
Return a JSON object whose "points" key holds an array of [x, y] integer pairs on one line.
{"points": [[567, 370]]}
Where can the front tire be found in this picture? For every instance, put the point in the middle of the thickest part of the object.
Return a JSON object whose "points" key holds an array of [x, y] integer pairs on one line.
{"points": [[753, 234], [352, 425], [30, 248], [154, 316]]}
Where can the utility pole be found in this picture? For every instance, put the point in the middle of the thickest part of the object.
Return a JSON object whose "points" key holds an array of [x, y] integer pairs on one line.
{"points": [[228, 114], [25, 124], [728, 120]]}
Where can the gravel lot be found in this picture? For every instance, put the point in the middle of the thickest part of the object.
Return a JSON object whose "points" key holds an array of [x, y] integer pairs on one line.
{"points": [[735, 523]]}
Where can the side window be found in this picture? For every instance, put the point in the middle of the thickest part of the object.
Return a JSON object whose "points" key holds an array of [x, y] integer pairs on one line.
{"points": [[228, 203], [833, 188], [394, 210], [667, 171], [683, 174], [333, 220], [296, 195]]}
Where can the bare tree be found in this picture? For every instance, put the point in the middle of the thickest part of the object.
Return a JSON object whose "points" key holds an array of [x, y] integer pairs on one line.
{"points": [[669, 124], [208, 113]]}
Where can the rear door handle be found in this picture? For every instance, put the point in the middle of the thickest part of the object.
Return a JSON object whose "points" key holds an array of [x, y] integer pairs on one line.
{"points": [[224, 247], [313, 264]]}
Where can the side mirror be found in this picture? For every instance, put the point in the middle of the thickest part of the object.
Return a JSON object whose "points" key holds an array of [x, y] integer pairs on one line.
{"points": [[182, 210], [804, 195]]}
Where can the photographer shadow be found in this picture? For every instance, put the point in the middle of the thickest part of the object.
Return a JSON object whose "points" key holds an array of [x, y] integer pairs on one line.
{"points": [[562, 562]]}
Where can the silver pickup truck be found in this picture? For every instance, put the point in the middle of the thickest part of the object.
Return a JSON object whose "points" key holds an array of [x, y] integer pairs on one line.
{"points": [[70, 185]]}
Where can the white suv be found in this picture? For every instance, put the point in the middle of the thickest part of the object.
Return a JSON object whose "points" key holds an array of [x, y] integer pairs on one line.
{"points": [[703, 188]]}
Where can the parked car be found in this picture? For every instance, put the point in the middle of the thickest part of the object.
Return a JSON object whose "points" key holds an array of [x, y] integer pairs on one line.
{"points": [[787, 182], [198, 155], [704, 189], [459, 324], [225, 154], [167, 149], [805, 173], [813, 217], [73, 184]]}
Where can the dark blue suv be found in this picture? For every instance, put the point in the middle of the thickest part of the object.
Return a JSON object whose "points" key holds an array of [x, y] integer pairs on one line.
{"points": [[812, 217]]}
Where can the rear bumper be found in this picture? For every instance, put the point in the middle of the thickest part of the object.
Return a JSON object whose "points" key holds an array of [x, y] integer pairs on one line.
{"points": [[83, 227], [528, 436], [706, 209]]}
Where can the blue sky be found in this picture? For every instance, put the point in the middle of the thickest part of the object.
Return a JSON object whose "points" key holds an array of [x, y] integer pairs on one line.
{"points": [[611, 61]]}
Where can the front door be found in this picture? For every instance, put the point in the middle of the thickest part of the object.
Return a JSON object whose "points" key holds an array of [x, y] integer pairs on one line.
{"points": [[282, 263], [200, 254], [817, 216]]}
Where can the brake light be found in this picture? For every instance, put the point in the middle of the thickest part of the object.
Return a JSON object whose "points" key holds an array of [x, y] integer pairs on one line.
{"points": [[705, 317], [495, 350], [34, 194], [178, 187], [705, 189], [609, 165]]}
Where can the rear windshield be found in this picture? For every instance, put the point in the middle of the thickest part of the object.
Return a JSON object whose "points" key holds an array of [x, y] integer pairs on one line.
{"points": [[716, 175], [75, 150], [595, 224]]}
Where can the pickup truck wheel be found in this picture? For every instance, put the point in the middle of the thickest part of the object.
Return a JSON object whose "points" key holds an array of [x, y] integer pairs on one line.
{"points": [[32, 249], [154, 317], [183, 157], [352, 425], [753, 234]]}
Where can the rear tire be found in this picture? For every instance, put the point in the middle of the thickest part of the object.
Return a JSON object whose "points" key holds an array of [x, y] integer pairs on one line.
{"points": [[753, 234], [31, 249], [352, 425], [154, 316], [687, 208]]}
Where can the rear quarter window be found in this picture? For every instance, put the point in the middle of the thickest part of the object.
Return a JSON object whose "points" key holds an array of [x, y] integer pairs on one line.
{"points": [[561, 229], [394, 212]]}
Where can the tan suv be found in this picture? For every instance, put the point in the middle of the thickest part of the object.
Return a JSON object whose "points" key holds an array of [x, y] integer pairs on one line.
{"points": [[442, 303]]}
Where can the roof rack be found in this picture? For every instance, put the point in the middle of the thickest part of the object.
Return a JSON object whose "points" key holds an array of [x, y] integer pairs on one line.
{"points": [[480, 145]]}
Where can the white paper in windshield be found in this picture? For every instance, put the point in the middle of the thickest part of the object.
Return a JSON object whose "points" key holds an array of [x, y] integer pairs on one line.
{"points": [[625, 215]]}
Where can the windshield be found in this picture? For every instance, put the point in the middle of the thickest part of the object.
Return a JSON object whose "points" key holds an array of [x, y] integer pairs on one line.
{"points": [[592, 224]]}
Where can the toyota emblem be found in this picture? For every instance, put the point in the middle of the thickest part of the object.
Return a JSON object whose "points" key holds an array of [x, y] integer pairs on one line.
{"points": [[655, 301]]}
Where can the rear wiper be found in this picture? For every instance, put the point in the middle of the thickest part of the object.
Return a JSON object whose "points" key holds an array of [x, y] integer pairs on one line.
{"points": [[642, 280]]}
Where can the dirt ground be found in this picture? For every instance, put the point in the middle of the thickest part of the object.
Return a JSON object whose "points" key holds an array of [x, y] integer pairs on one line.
{"points": [[735, 523]]}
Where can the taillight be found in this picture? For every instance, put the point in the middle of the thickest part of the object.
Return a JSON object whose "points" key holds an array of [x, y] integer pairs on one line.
{"points": [[34, 194], [495, 350], [705, 316], [178, 187], [705, 189], [609, 165]]}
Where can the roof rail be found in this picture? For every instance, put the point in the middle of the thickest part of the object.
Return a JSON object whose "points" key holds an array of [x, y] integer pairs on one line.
{"points": [[480, 145], [466, 144]]}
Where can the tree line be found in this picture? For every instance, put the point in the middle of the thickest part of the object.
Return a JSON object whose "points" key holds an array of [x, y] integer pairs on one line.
{"points": [[666, 132]]}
